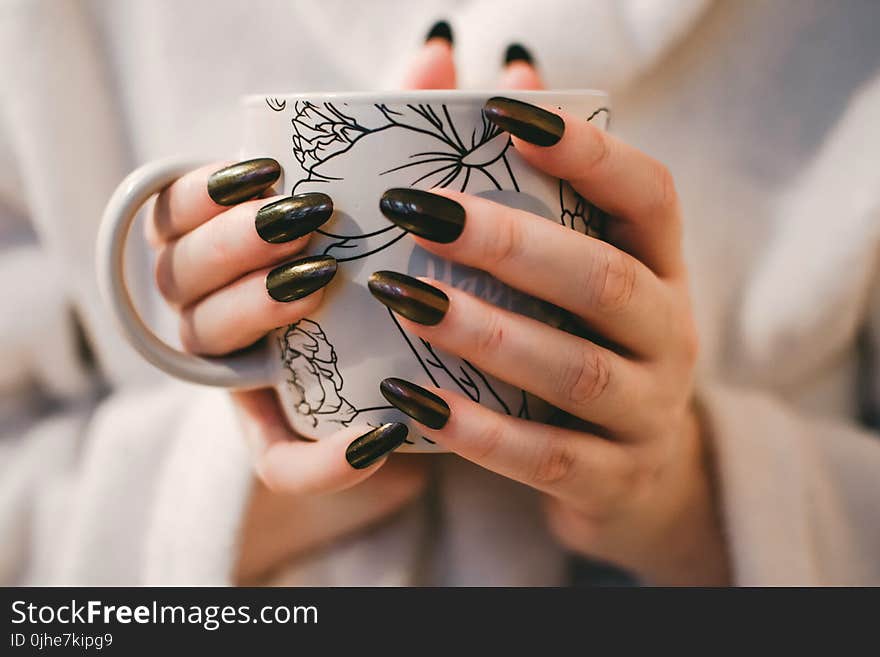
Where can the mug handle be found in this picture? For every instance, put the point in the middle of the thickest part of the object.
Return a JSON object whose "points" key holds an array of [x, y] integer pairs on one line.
{"points": [[250, 368]]}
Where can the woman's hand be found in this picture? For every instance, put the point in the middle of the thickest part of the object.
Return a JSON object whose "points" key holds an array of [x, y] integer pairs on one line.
{"points": [[229, 260], [626, 480]]}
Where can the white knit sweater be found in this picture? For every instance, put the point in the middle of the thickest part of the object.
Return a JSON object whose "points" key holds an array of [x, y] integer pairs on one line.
{"points": [[765, 113]]}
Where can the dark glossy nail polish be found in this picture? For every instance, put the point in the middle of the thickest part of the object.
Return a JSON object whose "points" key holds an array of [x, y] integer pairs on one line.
{"points": [[299, 278], [440, 30], [427, 215], [517, 52], [290, 218], [242, 181], [373, 445], [410, 297], [420, 404], [528, 122]]}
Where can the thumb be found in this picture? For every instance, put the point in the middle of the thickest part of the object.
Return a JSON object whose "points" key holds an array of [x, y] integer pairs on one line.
{"points": [[519, 69], [433, 67]]}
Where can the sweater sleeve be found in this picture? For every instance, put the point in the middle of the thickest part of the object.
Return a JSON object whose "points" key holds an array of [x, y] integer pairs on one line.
{"points": [[149, 488], [800, 496]]}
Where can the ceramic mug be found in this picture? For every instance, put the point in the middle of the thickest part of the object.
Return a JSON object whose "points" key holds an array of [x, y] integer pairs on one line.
{"points": [[327, 367]]}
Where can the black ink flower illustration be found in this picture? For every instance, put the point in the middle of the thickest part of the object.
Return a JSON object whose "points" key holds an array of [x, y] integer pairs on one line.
{"points": [[321, 131], [451, 372], [276, 105], [335, 147], [454, 160], [327, 143], [312, 364]]}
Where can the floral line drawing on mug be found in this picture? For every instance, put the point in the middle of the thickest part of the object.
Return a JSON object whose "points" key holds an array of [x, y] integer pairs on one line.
{"points": [[354, 147], [465, 382], [323, 135], [312, 364], [276, 105]]}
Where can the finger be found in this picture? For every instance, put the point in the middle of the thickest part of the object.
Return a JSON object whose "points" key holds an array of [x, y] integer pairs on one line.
{"points": [[614, 293], [248, 236], [574, 466], [201, 194], [286, 463], [580, 377], [519, 69], [635, 189], [433, 66], [241, 313]]}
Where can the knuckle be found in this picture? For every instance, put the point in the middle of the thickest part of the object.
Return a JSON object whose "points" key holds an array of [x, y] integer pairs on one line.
{"points": [[554, 463], [157, 227], [585, 377], [666, 196], [189, 338], [491, 337], [505, 244], [615, 279], [601, 152], [163, 274], [198, 336], [282, 314], [488, 439], [150, 227], [271, 476], [220, 244]]}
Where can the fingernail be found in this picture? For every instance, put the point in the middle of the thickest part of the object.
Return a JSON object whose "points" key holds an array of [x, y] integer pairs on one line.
{"points": [[440, 30], [290, 218], [373, 445], [299, 278], [242, 181], [528, 122], [410, 297], [427, 215], [517, 52], [420, 404]]}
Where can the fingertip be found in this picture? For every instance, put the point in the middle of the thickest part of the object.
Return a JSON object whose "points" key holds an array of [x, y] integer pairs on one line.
{"points": [[441, 30], [516, 52], [520, 75], [315, 467], [434, 65], [375, 445], [459, 416], [520, 71]]}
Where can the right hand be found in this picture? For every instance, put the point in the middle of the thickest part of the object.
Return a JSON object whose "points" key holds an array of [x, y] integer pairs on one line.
{"points": [[212, 268]]}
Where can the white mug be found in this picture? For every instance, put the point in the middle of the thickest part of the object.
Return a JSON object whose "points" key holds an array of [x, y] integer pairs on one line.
{"points": [[354, 146]]}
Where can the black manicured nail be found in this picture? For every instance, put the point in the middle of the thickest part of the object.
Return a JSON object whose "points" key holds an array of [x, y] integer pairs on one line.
{"points": [[440, 30], [517, 52], [289, 218], [373, 445], [299, 278], [239, 182], [528, 122], [427, 215], [410, 297], [420, 404]]}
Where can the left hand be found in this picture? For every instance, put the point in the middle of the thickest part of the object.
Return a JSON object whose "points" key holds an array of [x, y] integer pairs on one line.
{"points": [[630, 482]]}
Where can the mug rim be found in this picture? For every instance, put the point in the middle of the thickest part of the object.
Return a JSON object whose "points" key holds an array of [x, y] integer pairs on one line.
{"points": [[417, 95]]}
